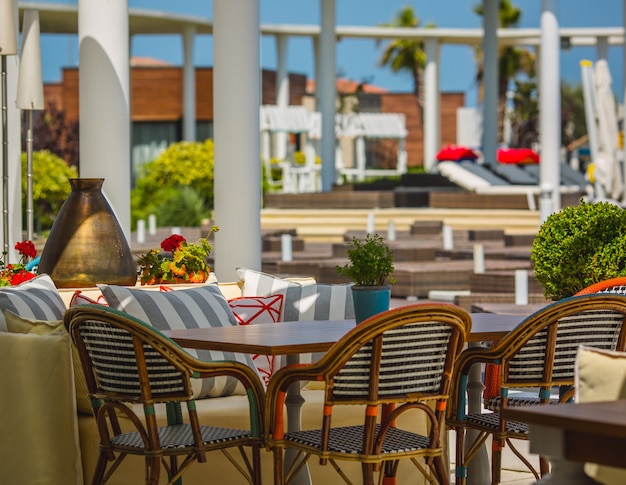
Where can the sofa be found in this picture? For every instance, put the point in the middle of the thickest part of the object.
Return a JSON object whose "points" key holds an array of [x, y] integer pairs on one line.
{"points": [[76, 455]]}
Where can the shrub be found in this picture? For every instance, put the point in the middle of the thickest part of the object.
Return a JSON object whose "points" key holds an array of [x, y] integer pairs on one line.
{"points": [[51, 186], [579, 246], [370, 261]]}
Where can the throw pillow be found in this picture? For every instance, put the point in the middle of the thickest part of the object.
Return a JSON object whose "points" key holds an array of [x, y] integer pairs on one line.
{"points": [[258, 310], [37, 298], [200, 307], [17, 324], [78, 298], [601, 376], [302, 302]]}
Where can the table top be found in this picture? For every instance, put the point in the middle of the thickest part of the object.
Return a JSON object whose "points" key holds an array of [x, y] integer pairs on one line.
{"points": [[601, 418], [310, 336]]}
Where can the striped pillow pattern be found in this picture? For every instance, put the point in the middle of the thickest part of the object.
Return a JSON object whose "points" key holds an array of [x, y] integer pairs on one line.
{"points": [[302, 302], [37, 298], [201, 307]]}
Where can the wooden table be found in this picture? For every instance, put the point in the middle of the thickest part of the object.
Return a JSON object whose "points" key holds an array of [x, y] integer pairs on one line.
{"points": [[572, 434], [295, 338]]}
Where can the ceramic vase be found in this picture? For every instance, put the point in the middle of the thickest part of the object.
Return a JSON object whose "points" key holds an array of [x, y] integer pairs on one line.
{"points": [[86, 244], [370, 300]]}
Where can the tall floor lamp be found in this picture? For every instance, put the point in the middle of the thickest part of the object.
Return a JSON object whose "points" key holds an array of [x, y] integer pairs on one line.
{"points": [[29, 98], [8, 47]]}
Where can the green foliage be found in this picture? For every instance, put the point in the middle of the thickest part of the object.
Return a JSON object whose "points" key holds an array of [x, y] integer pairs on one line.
{"points": [[579, 246], [182, 207], [370, 262], [51, 186], [183, 164]]}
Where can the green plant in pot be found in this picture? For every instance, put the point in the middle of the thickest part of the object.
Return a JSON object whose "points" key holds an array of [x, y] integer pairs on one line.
{"points": [[579, 246], [370, 265]]}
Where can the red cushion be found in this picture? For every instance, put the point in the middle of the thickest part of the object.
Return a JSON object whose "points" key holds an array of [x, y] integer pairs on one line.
{"points": [[517, 155], [250, 310], [456, 153]]}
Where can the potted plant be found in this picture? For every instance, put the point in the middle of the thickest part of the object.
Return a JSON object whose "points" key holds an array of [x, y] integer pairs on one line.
{"points": [[370, 265], [579, 246], [176, 262]]}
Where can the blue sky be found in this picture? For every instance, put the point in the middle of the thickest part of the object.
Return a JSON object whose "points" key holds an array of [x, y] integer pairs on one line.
{"points": [[356, 58]]}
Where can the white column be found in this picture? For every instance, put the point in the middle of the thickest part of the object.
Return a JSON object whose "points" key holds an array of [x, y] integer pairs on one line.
{"points": [[13, 140], [104, 97], [327, 94], [317, 70], [432, 119], [282, 92], [236, 95], [602, 48], [550, 101], [189, 85], [490, 81]]}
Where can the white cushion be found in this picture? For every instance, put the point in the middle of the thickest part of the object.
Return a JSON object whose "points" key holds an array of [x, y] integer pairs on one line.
{"points": [[200, 307], [37, 298], [302, 302], [601, 376]]}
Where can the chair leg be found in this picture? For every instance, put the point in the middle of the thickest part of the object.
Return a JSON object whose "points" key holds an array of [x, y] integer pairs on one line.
{"points": [[154, 470], [460, 472], [441, 471], [496, 461], [256, 465], [544, 466], [368, 473], [279, 467], [101, 466]]}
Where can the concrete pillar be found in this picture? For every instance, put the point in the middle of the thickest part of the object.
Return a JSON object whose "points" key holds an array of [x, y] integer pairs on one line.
{"points": [[490, 81], [104, 97], [237, 100], [432, 111], [327, 93], [550, 102], [189, 85], [602, 48], [282, 92]]}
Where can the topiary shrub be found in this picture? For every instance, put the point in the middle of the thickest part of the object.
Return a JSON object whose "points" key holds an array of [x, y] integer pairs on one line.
{"points": [[579, 246]]}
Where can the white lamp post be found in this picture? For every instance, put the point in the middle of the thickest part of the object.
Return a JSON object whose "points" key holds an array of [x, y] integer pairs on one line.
{"points": [[29, 98], [8, 47]]}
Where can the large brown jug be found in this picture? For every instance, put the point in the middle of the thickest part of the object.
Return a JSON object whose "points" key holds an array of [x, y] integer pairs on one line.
{"points": [[86, 244]]}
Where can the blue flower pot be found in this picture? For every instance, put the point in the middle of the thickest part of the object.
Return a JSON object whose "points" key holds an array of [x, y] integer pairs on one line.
{"points": [[370, 301]]}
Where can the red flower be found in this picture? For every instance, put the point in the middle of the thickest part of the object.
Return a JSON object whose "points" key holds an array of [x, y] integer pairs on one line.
{"points": [[21, 276], [26, 248], [172, 243]]}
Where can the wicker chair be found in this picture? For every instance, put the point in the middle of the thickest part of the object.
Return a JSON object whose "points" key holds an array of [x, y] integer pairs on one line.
{"points": [[540, 353], [397, 362], [127, 361], [612, 285]]}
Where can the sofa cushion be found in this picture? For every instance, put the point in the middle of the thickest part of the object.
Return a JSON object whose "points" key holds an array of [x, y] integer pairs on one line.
{"points": [[17, 324], [37, 414], [601, 376], [302, 302], [37, 298], [250, 310], [200, 307]]}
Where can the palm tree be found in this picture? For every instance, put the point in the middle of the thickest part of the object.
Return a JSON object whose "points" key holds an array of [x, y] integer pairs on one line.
{"points": [[405, 54], [512, 60]]}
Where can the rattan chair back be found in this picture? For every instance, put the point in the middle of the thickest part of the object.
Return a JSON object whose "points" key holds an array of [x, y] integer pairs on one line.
{"points": [[393, 364], [539, 354], [128, 362]]}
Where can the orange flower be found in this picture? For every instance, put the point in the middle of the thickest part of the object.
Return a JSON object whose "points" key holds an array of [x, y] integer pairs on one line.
{"points": [[178, 271], [197, 277]]}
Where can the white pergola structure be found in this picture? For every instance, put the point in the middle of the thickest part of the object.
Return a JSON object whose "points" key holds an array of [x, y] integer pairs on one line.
{"points": [[359, 126], [236, 71]]}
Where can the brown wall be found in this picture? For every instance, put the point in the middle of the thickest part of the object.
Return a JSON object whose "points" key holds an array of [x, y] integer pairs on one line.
{"points": [[157, 92], [407, 103]]}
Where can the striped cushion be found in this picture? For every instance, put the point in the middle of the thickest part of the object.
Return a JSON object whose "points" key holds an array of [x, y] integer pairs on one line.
{"points": [[37, 298], [200, 307], [302, 302]]}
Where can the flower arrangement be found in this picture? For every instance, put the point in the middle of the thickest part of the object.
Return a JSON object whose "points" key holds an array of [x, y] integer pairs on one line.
{"points": [[186, 264], [14, 274]]}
